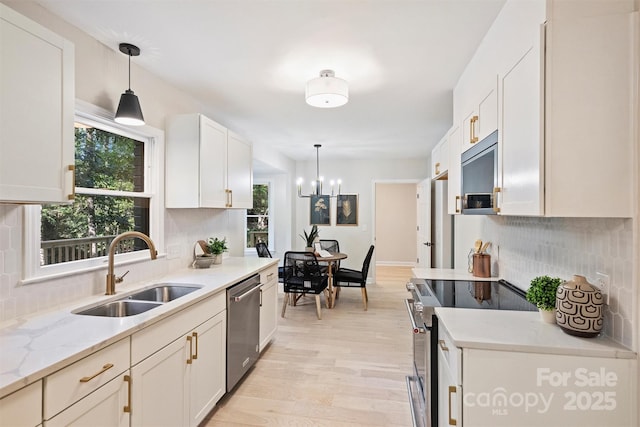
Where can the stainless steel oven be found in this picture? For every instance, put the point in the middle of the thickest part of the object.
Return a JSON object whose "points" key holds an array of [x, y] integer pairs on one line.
{"points": [[426, 295]]}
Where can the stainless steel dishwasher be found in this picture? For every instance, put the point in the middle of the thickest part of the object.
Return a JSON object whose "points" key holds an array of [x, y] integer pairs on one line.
{"points": [[243, 328]]}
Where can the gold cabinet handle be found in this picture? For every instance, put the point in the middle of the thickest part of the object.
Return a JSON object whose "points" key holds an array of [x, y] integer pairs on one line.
{"points": [[104, 369], [195, 336], [472, 130], [72, 168], [269, 276], [127, 408], [190, 341], [452, 421], [443, 345], [229, 194], [437, 168], [457, 200], [496, 190]]}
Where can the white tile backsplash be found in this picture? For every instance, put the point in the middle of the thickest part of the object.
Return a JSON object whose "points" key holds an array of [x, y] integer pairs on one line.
{"points": [[562, 247]]}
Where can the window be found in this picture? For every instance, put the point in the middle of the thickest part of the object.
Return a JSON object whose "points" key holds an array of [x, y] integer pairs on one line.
{"points": [[116, 172], [258, 224]]}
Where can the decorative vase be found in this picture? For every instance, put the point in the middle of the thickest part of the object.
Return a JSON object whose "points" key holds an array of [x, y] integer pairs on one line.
{"points": [[579, 308], [308, 249], [217, 259], [548, 316]]}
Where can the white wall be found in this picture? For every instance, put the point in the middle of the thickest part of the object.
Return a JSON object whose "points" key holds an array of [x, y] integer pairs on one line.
{"points": [[358, 177], [526, 247]]}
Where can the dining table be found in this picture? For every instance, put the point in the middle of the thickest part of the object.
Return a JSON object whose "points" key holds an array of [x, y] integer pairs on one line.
{"points": [[331, 260]]}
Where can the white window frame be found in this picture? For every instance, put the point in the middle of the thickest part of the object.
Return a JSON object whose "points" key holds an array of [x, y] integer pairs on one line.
{"points": [[33, 272], [270, 243]]}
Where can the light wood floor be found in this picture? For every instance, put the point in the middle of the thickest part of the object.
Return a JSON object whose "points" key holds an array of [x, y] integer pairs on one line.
{"points": [[347, 369]]}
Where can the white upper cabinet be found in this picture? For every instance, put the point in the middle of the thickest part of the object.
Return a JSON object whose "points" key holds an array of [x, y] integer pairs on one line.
{"points": [[565, 106], [567, 116], [454, 200], [481, 118], [440, 159], [207, 165], [36, 112]]}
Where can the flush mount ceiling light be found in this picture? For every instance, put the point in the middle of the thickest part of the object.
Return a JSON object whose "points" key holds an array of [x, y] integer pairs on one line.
{"points": [[327, 91], [129, 111]]}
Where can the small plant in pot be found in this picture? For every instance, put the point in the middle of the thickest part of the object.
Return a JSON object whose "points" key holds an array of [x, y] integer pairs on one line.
{"points": [[542, 293], [310, 238], [216, 247]]}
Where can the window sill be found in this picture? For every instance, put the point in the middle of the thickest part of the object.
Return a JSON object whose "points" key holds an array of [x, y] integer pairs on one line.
{"points": [[131, 259]]}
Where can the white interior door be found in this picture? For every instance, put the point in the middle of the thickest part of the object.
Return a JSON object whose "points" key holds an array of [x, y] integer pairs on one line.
{"points": [[423, 190]]}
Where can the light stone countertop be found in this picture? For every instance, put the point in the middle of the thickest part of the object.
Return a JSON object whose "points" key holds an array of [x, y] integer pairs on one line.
{"points": [[521, 331], [448, 274], [38, 345]]}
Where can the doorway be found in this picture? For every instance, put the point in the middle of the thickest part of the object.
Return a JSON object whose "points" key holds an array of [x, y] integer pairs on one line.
{"points": [[395, 223]]}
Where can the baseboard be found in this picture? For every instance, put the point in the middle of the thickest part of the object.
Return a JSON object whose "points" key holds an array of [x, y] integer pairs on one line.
{"points": [[395, 264]]}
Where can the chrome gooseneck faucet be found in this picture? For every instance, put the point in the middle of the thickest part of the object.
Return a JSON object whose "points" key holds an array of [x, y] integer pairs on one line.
{"points": [[111, 277]]}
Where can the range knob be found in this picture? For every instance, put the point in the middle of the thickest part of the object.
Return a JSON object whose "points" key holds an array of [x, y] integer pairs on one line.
{"points": [[410, 286], [418, 307]]}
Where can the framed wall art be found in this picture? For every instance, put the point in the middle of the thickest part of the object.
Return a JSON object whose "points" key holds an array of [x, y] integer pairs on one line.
{"points": [[320, 208], [347, 209]]}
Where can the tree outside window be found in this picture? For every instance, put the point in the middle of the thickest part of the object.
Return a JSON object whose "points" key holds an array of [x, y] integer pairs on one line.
{"points": [[258, 217], [110, 199]]}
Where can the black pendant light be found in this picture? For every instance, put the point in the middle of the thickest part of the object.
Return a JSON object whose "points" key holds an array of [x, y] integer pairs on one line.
{"points": [[129, 111]]}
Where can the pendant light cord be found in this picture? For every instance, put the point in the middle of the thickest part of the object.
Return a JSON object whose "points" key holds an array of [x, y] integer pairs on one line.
{"points": [[129, 50]]}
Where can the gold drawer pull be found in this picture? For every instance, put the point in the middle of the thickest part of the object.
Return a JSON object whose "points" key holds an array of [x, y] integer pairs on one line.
{"points": [[452, 421], [269, 276], [443, 345], [190, 341], [127, 408], [104, 369], [437, 168], [195, 335], [457, 208]]}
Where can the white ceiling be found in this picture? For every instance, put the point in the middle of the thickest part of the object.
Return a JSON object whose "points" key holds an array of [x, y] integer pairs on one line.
{"points": [[249, 61]]}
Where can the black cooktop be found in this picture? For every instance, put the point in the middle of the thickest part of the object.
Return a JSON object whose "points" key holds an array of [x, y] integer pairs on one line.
{"points": [[489, 295]]}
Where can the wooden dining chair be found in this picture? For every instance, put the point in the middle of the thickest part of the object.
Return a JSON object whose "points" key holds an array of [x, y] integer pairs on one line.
{"points": [[349, 278], [302, 275]]}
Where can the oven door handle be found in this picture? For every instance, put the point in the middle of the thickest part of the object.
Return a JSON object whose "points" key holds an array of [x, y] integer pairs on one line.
{"points": [[414, 326]]}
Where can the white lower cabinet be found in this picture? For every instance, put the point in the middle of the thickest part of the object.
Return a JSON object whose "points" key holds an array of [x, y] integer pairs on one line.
{"points": [[179, 366], [207, 373], [268, 305], [159, 395], [93, 391], [479, 387], [107, 406], [22, 408]]}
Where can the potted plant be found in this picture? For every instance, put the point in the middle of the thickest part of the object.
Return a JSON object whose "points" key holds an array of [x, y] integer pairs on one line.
{"points": [[310, 238], [542, 293], [216, 247]]}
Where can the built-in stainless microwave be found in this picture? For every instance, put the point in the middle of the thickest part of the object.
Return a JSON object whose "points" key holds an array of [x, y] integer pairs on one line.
{"points": [[480, 176]]}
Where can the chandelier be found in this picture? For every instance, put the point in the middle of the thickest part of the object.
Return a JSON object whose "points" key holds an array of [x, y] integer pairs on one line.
{"points": [[317, 183]]}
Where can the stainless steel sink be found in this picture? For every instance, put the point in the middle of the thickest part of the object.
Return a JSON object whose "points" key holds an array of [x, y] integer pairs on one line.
{"points": [[164, 292], [141, 301], [120, 308]]}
